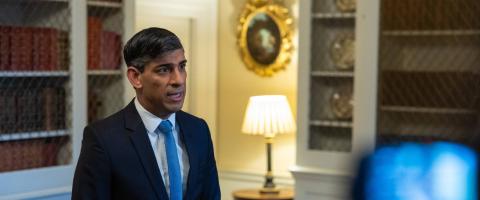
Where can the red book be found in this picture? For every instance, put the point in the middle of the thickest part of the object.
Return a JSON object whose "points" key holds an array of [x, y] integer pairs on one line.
{"points": [[49, 153], [8, 156], [4, 47], [36, 51], [110, 50], [32, 153], [26, 52], [52, 149], [94, 42], [16, 49], [62, 50], [40, 43], [45, 49], [21, 46], [53, 50]]}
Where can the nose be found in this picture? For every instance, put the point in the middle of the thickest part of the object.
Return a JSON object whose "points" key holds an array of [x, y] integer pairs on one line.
{"points": [[177, 77]]}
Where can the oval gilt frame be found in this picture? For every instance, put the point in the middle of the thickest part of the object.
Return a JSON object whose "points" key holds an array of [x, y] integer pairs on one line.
{"points": [[265, 37]]}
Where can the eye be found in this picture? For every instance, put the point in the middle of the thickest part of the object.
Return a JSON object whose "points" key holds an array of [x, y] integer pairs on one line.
{"points": [[183, 66], [163, 70]]}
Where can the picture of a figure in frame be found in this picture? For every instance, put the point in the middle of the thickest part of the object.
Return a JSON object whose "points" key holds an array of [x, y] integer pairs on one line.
{"points": [[263, 39]]}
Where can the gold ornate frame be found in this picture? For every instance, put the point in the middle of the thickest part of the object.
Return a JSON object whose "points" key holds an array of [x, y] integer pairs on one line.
{"points": [[280, 15]]}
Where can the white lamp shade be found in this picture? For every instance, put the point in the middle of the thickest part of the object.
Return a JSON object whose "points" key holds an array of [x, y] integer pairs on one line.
{"points": [[268, 115]]}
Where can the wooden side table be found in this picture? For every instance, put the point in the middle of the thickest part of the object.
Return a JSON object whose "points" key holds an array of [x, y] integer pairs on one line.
{"points": [[254, 194]]}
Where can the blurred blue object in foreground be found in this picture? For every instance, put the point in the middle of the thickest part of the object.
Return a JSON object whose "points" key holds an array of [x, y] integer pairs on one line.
{"points": [[411, 171]]}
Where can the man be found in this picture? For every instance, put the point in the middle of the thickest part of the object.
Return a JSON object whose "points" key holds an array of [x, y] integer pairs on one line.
{"points": [[150, 149]]}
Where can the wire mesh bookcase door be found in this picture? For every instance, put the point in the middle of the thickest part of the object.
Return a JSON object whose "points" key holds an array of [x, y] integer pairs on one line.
{"points": [[35, 93], [105, 30], [429, 73], [331, 72]]}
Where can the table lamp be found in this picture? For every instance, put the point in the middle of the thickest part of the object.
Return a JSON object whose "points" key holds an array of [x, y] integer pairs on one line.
{"points": [[267, 116]]}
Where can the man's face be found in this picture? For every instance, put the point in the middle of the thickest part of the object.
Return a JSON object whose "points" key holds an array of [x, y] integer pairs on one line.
{"points": [[162, 85]]}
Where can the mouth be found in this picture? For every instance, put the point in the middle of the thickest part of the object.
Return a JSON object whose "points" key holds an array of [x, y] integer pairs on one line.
{"points": [[175, 96]]}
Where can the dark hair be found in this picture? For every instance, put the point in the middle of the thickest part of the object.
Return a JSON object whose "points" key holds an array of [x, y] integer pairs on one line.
{"points": [[148, 44]]}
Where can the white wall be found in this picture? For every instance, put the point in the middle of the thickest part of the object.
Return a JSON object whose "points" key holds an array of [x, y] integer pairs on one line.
{"points": [[242, 158]]}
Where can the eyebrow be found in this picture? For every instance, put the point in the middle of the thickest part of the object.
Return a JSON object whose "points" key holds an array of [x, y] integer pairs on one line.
{"points": [[170, 64]]}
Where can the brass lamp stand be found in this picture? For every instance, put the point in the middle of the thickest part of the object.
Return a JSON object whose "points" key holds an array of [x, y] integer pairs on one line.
{"points": [[269, 185]]}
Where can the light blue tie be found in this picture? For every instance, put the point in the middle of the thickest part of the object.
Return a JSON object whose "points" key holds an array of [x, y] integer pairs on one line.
{"points": [[174, 174]]}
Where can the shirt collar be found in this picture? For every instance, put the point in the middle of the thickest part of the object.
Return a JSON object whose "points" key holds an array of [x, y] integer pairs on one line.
{"points": [[150, 120]]}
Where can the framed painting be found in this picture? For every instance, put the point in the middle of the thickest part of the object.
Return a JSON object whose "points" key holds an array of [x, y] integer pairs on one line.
{"points": [[264, 37]]}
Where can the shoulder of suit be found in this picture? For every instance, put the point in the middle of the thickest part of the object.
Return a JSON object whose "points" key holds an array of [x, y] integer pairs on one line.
{"points": [[187, 116]]}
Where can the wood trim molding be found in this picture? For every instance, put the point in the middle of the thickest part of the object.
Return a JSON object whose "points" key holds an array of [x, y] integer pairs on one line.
{"points": [[253, 177]]}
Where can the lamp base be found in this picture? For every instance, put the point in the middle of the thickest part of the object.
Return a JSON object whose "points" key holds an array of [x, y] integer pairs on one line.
{"points": [[269, 191]]}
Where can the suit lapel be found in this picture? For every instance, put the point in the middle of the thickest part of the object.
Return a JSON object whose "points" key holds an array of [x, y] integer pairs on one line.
{"points": [[187, 135], [138, 136]]}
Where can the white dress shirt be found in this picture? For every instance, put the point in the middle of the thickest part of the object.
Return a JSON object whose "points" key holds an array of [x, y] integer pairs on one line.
{"points": [[151, 123]]}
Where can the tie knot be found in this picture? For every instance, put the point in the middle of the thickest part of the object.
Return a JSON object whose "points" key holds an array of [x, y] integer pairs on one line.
{"points": [[165, 127]]}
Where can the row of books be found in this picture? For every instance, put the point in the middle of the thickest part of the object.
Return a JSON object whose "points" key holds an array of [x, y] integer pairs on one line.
{"points": [[104, 47], [28, 110], [430, 15], [439, 89], [33, 48], [27, 154]]}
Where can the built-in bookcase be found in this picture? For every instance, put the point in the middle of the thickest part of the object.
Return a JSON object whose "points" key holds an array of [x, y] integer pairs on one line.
{"points": [[60, 68], [105, 32], [35, 128], [415, 78]]}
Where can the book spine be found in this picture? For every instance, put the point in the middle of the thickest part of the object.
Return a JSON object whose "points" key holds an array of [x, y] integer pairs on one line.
{"points": [[5, 47], [94, 42], [48, 95], [53, 49]]}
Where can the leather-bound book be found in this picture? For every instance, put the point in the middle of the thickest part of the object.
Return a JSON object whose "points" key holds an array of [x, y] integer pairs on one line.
{"points": [[21, 48], [15, 49], [9, 116], [53, 49], [60, 108], [48, 96], [4, 110], [22, 110], [63, 54], [94, 42], [111, 47], [4, 47]]}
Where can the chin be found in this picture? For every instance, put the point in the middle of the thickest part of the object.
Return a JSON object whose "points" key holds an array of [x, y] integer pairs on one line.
{"points": [[175, 108]]}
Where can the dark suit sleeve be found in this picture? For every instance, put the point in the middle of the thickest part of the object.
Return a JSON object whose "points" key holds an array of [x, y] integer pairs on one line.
{"points": [[92, 175], [211, 187]]}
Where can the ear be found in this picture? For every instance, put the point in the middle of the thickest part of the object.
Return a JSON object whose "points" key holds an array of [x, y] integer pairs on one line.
{"points": [[133, 75]]}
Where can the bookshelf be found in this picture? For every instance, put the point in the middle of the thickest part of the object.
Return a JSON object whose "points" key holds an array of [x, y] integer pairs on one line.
{"points": [[332, 71], [105, 31], [34, 76], [415, 80], [45, 79]]}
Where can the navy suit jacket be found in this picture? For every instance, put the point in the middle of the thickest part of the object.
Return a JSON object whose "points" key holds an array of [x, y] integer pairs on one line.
{"points": [[117, 160]]}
